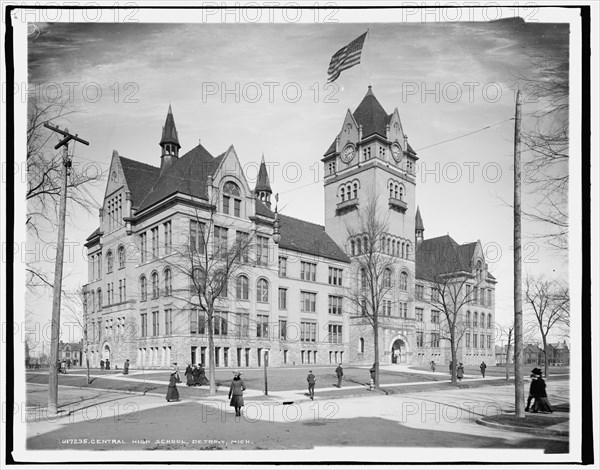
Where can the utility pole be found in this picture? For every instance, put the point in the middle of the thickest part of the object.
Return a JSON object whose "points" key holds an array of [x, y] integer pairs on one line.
{"points": [[518, 301], [58, 268]]}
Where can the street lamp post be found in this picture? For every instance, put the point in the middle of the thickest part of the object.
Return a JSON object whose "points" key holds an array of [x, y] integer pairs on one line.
{"points": [[266, 363]]}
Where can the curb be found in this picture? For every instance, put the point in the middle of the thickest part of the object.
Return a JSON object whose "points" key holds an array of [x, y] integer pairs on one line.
{"points": [[534, 431]]}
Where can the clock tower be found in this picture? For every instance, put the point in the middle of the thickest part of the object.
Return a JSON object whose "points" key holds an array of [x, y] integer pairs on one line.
{"points": [[371, 157]]}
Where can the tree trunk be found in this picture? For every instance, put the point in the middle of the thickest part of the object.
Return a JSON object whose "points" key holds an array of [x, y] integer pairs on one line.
{"points": [[211, 355], [508, 360], [544, 342], [453, 355], [376, 347]]}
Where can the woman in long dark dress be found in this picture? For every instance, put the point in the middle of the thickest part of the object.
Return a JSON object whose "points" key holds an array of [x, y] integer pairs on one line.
{"points": [[236, 393], [189, 375], [203, 380], [538, 390], [172, 392], [196, 375]]}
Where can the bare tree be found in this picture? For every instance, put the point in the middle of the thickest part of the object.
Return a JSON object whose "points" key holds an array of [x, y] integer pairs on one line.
{"points": [[507, 332], [44, 166], [76, 304], [546, 168], [546, 303], [210, 262], [373, 282]]}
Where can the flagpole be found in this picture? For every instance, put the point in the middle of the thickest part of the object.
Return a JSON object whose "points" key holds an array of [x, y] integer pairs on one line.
{"points": [[369, 55]]}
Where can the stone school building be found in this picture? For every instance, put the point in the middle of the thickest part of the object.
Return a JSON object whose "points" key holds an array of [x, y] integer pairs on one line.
{"points": [[286, 301]]}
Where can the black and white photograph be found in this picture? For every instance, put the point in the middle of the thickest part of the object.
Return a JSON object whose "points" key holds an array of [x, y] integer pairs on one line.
{"points": [[300, 234]]}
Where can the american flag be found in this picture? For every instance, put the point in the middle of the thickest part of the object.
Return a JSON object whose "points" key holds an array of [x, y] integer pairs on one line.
{"points": [[348, 56]]}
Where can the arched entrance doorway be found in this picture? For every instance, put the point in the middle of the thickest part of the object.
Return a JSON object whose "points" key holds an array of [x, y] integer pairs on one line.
{"points": [[399, 352], [106, 352]]}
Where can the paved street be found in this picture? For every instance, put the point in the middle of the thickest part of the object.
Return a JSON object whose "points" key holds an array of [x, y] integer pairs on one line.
{"points": [[432, 417]]}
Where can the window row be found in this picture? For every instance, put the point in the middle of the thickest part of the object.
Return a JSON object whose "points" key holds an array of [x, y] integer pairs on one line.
{"points": [[475, 318], [349, 191], [154, 328], [485, 341], [114, 208], [109, 329], [155, 285], [153, 252], [479, 296], [396, 190], [308, 272], [367, 278], [393, 246]]}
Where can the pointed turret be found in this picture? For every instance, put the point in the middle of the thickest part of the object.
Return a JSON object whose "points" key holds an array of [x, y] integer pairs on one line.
{"points": [[263, 187], [419, 228], [169, 142], [371, 116]]}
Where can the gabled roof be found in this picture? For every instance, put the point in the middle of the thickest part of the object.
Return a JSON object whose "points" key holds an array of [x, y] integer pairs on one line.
{"points": [[371, 116], [140, 177], [306, 237], [187, 175], [263, 210], [262, 182], [442, 255], [93, 234]]}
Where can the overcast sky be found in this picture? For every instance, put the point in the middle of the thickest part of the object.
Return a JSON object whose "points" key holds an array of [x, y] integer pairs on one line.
{"points": [[262, 88]]}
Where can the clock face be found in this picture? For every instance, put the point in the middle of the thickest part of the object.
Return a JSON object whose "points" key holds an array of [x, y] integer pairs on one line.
{"points": [[396, 152], [348, 153]]}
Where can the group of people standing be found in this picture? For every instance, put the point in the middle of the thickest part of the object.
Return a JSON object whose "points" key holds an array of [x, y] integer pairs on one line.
{"points": [[195, 375]]}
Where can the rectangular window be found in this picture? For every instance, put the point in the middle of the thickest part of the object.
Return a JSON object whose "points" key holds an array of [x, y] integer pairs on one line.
{"points": [[403, 309], [308, 271], [155, 329], [197, 237], [243, 241], [237, 207], [475, 320], [435, 316], [120, 290], [474, 340], [418, 314], [469, 292], [335, 333], [262, 250], [367, 153], [99, 267], [335, 276], [435, 340], [168, 239], [168, 321], [419, 339], [308, 331], [419, 292], [243, 325], [482, 341], [262, 326], [283, 330], [154, 242], [468, 340], [194, 321], [282, 299], [489, 341], [335, 305], [220, 245], [282, 267], [143, 247], [435, 294], [226, 200], [144, 324], [308, 301]]}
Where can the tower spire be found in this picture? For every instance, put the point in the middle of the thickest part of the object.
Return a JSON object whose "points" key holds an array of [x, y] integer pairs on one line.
{"points": [[263, 187], [169, 142], [419, 228]]}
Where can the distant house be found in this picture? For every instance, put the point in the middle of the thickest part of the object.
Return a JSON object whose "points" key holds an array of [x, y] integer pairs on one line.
{"points": [[533, 354], [500, 352], [558, 354], [72, 351]]}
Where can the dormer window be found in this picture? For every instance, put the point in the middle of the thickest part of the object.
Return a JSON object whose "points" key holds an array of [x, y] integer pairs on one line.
{"points": [[232, 200]]}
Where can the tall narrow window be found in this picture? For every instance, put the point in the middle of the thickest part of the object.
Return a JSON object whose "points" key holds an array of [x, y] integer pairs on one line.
{"points": [[143, 289], [231, 191], [168, 282], [167, 237], [154, 242], [143, 247], [241, 288], [155, 285], [197, 237], [220, 245], [262, 250], [109, 261], [121, 256], [262, 290]]}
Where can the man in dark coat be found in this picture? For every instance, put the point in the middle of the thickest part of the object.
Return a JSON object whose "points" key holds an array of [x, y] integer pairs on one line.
{"points": [[107, 364], [196, 375], [460, 371], [189, 375], [126, 367], [311, 379], [101, 364], [482, 368], [340, 373]]}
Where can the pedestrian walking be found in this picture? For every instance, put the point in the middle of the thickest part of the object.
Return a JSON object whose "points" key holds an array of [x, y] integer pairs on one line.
{"points": [[531, 389], [107, 364], [451, 365], [101, 364], [311, 379], [340, 373], [172, 392], [196, 375], [126, 367], [432, 364], [460, 371], [538, 390], [372, 371], [236, 392], [189, 375], [482, 368]]}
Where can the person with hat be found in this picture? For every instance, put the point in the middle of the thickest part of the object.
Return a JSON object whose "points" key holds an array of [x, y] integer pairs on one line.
{"points": [[236, 392], [538, 390], [460, 371], [533, 377], [339, 371], [311, 379], [126, 367], [172, 392], [482, 368]]}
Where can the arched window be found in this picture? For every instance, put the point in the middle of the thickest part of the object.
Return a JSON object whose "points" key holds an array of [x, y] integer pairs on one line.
{"points": [[396, 191], [387, 278], [358, 247], [402, 251], [241, 288], [99, 295], [479, 271], [363, 278], [232, 195], [352, 247], [389, 246], [92, 301], [361, 345], [143, 288], [468, 319], [343, 193], [407, 250], [355, 191], [366, 246], [475, 317], [262, 290], [391, 189], [483, 320], [155, 285], [168, 282], [109, 261], [401, 192], [489, 325], [403, 281], [121, 256]]}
